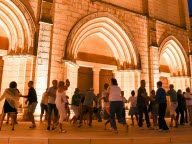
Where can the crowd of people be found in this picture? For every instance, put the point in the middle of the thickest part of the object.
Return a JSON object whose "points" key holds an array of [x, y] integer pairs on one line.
{"points": [[109, 106]]}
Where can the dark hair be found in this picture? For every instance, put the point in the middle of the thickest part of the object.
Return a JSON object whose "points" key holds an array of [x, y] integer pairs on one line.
{"points": [[76, 90], [179, 91], [13, 84], [106, 86], [132, 92], [188, 89], [61, 83], [31, 82], [114, 81], [171, 86], [152, 91], [142, 81], [159, 83]]}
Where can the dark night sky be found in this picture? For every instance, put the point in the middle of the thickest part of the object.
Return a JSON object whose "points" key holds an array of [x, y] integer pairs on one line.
{"points": [[190, 7]]}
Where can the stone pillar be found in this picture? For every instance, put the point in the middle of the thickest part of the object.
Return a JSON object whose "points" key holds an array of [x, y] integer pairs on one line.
{"points": [[71, 73], [96, 71], [128, 80], [42, 62], [154, 67], [18, 68]]}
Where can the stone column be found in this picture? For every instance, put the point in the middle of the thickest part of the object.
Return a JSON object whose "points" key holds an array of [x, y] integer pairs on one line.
{"points": [[96, 71], [42, 62], [71, 73], [154, 67], [18, 68]]}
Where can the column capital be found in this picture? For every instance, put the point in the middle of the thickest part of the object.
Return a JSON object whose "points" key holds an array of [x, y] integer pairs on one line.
{"points": [[70, 63], [96, 69], [153, 47]]}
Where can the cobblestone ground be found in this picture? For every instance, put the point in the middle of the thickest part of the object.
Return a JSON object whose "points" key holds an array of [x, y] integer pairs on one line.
{"points": [[93, 135]]}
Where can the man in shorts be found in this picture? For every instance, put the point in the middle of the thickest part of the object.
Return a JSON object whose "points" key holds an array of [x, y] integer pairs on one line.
{"points": [[32, 103]]}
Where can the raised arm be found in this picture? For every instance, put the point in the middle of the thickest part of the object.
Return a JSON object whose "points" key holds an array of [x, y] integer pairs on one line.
{"points": [[67, 84]]}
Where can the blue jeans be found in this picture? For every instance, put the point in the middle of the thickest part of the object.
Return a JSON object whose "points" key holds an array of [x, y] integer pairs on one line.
{"points": [[116, 108]]}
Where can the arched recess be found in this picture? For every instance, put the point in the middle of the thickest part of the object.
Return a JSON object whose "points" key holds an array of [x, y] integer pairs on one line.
{"points": [[110, 29], [173, 64], [16, 19], [175, 56]]}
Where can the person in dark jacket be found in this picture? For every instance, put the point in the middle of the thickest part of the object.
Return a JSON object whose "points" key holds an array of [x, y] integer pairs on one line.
{"points": [[32, 103], [181, 106], [161, 100], [142, 103]]}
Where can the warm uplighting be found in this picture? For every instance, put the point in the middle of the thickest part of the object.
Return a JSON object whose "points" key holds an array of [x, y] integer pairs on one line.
{"points": [[112, 33]]}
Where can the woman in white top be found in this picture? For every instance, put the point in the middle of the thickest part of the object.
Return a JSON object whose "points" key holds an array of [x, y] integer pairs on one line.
{"points": [[61, 102], [116, 105]]}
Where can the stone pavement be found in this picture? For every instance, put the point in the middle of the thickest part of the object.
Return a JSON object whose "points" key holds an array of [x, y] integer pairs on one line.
{"points": [[92, 135]]}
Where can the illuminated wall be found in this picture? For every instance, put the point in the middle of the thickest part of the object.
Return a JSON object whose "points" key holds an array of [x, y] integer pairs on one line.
{"points": [[42, 40]]}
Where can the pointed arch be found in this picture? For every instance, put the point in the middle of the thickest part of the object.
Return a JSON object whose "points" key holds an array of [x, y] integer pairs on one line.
{"points": [[18, 20], [175, 55], [110, 29]]}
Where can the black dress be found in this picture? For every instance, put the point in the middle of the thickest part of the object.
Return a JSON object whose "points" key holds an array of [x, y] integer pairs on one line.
{"points": [[7, 108]]}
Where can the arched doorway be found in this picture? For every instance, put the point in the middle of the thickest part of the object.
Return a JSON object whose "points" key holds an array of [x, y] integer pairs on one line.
{"points": [[173, 66], [17, 31], [101, 42]]}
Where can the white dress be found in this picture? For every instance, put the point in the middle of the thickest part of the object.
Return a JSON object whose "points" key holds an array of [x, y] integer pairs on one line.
{"points": [[60, 102]]}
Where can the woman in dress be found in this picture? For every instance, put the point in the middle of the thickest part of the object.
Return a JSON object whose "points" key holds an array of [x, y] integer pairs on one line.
{"points": [[11, 96], [61, 103]]}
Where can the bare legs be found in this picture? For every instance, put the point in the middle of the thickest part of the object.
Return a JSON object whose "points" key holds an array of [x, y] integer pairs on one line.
{"points": [[13, 118], [31, 117], [132, 119]]}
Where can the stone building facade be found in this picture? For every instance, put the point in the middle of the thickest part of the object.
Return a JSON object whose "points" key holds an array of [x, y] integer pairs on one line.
{"points": [[91, 41]]}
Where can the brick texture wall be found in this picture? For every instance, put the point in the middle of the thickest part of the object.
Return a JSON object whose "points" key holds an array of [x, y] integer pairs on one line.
{"points": [[167, 10], [134, 5]]}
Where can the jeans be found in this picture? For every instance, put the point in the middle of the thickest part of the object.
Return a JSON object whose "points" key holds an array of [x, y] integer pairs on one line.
{"points": [[116, 108]]}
